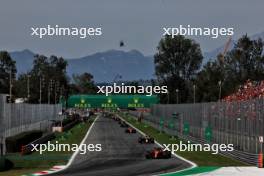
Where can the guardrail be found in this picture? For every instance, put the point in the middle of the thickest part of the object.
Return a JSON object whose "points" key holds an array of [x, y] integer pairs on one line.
{"points": [[27, 149]]}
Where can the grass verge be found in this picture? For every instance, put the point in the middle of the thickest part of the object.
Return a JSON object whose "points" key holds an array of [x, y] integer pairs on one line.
{"points": [[36, 162], [200, 158]]}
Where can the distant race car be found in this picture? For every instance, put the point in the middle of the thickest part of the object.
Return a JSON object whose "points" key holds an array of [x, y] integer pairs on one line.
{"points": [[124, 124], [105, 115], [158, 153], [116, 119], [130, 130], [146, 140]]}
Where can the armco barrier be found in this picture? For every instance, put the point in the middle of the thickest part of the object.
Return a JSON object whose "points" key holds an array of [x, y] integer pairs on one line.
{"points": [[70, 125], [26, 149]]}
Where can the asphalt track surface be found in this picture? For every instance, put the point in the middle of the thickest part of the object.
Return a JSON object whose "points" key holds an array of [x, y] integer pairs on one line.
{"points": [[121, 155]]}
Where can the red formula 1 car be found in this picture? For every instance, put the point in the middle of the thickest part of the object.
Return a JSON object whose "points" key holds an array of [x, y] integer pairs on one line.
{"points": [[146, 140], [158, 153], [130, 130]]}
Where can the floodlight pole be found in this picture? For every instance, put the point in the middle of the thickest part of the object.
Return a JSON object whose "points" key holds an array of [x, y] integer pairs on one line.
{"points": [[28, 88], [56, 85], [40, 90], [220, 89], [194, 91], [10, 85], [168, 100], [177, 94]]}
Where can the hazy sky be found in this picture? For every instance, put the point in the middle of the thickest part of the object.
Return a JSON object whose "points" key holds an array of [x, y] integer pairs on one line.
{"points": [[138, 22]]}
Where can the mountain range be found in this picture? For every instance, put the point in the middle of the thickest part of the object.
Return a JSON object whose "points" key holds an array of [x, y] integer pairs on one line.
{"points": [[105, 66]]}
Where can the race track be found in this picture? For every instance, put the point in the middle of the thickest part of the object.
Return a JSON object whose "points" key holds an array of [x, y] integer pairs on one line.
{"points": [[121, 154]]}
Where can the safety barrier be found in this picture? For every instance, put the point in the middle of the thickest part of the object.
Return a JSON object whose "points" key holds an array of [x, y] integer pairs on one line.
{"points": [[17, 118], [176, 126]]}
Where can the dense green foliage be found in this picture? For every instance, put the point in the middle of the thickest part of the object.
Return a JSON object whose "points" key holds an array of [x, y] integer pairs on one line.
{"points": [[178, 65], [7, 66], [46, 81], [244, 62]]}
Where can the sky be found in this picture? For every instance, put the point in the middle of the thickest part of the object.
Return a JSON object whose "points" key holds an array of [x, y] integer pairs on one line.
{"points": [[138, 23]]}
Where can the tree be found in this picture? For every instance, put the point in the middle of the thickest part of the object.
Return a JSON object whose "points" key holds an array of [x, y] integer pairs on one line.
{"points": [[209, 80], [50, 74], [245, 61], [84, 84], [7, 66], [21, 86], [176, 64]]}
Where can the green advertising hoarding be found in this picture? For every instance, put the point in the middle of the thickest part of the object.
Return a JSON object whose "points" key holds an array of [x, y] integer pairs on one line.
{"points": [[113, 101], [208, 134], [186, 129]]}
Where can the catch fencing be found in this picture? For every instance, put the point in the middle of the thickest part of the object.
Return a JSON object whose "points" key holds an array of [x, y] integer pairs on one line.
{"points": [[17, 118], [237, 123]]}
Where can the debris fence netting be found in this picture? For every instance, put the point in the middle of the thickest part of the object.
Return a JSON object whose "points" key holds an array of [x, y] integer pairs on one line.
{"points": [[239, 123], [16, 118]]}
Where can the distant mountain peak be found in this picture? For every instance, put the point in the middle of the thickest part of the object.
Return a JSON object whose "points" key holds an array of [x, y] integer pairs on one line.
{"points": [[132, 65], [136, 52], [24, 51], [104, 66], [27, 51]]}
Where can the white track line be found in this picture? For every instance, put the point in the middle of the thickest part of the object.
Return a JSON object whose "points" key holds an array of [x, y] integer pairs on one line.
{"points": [[77, 151], [193, 165]]}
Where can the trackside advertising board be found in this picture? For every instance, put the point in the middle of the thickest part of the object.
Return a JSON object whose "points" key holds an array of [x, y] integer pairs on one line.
{"points": [[113, 101]]}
